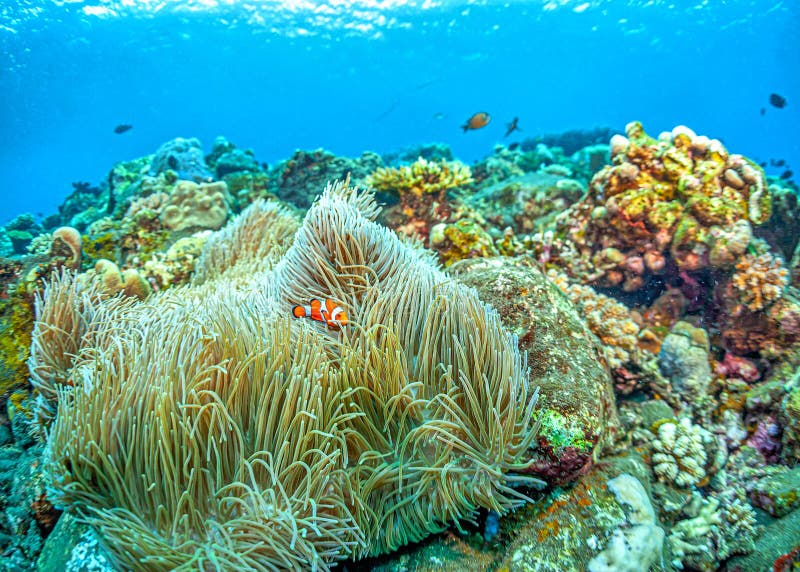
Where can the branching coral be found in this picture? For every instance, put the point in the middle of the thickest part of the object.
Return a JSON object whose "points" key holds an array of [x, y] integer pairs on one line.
{"points": [[714, 529], [207, 429], [679, 452]]}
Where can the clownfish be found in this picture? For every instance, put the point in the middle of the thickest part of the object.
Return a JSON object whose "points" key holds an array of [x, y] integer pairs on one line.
{"points": [[326, 311]]}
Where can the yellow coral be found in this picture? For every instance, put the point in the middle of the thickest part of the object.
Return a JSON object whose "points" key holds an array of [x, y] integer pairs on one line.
{"points": [[421, 177], [175, 266], [759, 280]]}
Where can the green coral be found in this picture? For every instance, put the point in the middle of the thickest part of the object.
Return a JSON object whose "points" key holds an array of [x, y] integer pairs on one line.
{"points": [[560, 432], [101, 246], [462, 239], [16, 325]]}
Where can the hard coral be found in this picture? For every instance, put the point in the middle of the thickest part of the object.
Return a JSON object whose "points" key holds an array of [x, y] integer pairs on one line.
{"points": [[462, 239], [193, 205], [281, 443], [679, 452], [608, 319], [759, 280], [422, 189], [422, 177], [671, 197], [299, 179]]}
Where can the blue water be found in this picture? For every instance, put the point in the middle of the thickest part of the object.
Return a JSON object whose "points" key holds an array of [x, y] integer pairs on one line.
{"points": [[377, 75]]}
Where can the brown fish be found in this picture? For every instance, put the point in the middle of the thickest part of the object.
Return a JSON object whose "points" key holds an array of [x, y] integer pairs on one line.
{"points": [[478, 120], [511, 127]]}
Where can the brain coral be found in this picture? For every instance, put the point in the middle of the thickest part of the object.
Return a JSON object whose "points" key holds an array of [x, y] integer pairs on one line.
{"points": [[193, 205], [214, 431], [667, 197]]}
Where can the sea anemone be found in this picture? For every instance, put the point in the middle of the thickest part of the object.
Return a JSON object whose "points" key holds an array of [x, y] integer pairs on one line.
{"points": [[206, 428]]}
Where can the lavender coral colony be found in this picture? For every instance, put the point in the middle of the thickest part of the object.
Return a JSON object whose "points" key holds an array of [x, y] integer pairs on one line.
{"points": [[570, 355]]}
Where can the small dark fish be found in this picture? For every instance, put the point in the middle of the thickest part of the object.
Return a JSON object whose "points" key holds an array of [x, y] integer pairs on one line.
{"points": [[786, 175], [122, 128], [763, 111], [777, 162], [763, 164], [477, 121], [513, 147], [777, 100], [511, 127], [172, 162]]}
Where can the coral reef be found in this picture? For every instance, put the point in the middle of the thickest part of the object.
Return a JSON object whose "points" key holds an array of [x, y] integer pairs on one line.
{"points": [[429, 151], [298, 180], [639, 545], [758, 281], [225, 158], [192, 206], [782, 230], [680, 452], [21, 231], [422, 189], [184, 157], [191, 422], [525, 203], [667, 198], [632, 365], [713, 530], [684, 359], [284, 443], [570, 141], [462, 239], [579, 418]]}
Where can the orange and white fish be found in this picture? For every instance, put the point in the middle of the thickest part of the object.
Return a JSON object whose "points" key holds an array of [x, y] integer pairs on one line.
{"points": [[326, 311]]}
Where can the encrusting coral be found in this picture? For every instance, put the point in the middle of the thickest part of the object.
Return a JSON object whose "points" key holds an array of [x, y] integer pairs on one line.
{"points": [[192, 205], [208, 429], [759, 280], [669, 199], [608, 319]]}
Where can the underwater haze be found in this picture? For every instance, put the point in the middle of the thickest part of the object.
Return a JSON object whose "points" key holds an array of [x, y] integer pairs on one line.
{"points": [[377, 75]]}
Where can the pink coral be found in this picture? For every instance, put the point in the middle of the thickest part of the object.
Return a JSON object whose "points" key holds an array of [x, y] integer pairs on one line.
{"points": [[737, 367], [767, 439]]}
